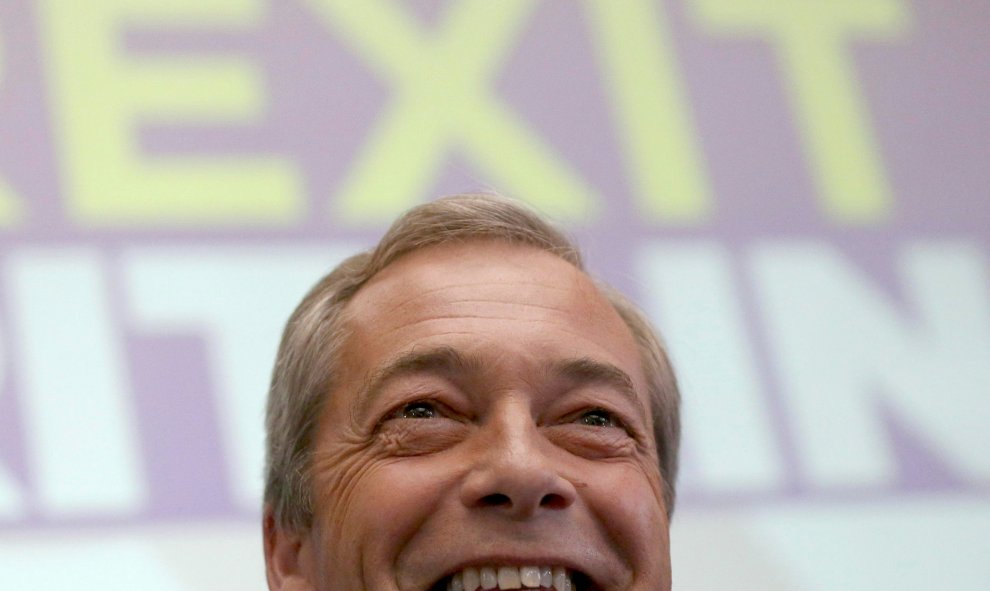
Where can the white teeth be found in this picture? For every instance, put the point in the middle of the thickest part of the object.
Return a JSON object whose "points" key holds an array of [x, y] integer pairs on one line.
{"points": [[511, 577], [508, 577], [529, 576], [472, 580], [546, 577], [489, 579]]}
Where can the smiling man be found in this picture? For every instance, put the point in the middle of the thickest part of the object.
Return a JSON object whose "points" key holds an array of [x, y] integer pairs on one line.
{"points": [[463, 408]]}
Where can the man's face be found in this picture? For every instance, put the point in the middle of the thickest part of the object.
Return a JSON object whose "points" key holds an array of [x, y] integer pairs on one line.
{"points": [[491, 412]]}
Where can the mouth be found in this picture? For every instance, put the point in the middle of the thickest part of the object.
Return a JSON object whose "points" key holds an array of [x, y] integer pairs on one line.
{"points": [[485, 578]]}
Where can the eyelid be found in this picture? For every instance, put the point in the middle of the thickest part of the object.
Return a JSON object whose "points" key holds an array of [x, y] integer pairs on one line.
{"points": [[606, 396], [635, 429], [398, 409], [404, 410], [443, 409], [614, 416]]}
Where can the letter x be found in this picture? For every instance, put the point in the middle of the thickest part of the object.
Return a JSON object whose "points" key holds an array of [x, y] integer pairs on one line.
{"points": [[442, 102]]}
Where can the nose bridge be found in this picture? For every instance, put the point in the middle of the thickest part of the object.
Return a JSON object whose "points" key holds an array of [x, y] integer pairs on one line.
{"points": [[512, 472], [512, 434]]}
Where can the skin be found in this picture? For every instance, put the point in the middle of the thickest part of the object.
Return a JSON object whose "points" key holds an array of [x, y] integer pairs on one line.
{"points": [[481, 417]]}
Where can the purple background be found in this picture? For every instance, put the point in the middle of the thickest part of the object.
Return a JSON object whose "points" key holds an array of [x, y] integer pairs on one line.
{"points": [[925, 94]]}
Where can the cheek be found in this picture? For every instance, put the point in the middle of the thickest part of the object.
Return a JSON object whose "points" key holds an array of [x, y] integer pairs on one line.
{"points": [[343, 479], [373, 500], [629, 502]]}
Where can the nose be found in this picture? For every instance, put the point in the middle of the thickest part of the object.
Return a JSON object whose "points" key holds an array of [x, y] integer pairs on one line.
{"points": [[513, 474]]}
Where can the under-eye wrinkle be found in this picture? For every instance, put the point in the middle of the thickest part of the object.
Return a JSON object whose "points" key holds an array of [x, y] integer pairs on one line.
{"points": [[413, 437], [593, 442]]}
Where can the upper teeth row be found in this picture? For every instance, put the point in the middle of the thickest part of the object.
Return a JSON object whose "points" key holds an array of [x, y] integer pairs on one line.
{"points": [[511, 577]]}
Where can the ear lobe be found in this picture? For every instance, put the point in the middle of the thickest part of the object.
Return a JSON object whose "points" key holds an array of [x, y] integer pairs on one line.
{"points": [[288, 557]]}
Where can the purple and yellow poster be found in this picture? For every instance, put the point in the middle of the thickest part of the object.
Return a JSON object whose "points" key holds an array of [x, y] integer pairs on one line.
{"points": [[796, 191]]}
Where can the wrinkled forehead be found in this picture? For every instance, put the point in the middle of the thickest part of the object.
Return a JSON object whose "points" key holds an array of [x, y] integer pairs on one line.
{"points": [[485, 278], [506, 295]]}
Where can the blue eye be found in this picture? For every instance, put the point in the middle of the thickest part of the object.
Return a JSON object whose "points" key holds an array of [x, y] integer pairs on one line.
{"points": [[597, 418], [418, 410]]}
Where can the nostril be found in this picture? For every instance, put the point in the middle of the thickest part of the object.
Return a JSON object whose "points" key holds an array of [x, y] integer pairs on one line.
{"points": [[496, 500], [553, 501]]}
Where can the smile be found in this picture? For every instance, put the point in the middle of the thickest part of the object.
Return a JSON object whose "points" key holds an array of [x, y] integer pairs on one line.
{"points": [[511, 577]]}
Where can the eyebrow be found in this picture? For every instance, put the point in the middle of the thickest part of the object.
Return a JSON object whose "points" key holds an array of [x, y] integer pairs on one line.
{"points": [[448, 362], [585, 370], [442, 361]]}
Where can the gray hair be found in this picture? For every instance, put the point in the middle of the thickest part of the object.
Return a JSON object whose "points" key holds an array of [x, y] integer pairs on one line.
{"points": [[306, 362]]}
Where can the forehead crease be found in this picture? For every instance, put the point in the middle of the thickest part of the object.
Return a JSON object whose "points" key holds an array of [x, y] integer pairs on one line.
{"points": [[513, 313], [486, 329], [407, 311], [405, 294]]}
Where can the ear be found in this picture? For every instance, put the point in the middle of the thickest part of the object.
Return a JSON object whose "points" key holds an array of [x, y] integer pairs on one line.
{"points": [[288, 556]]}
